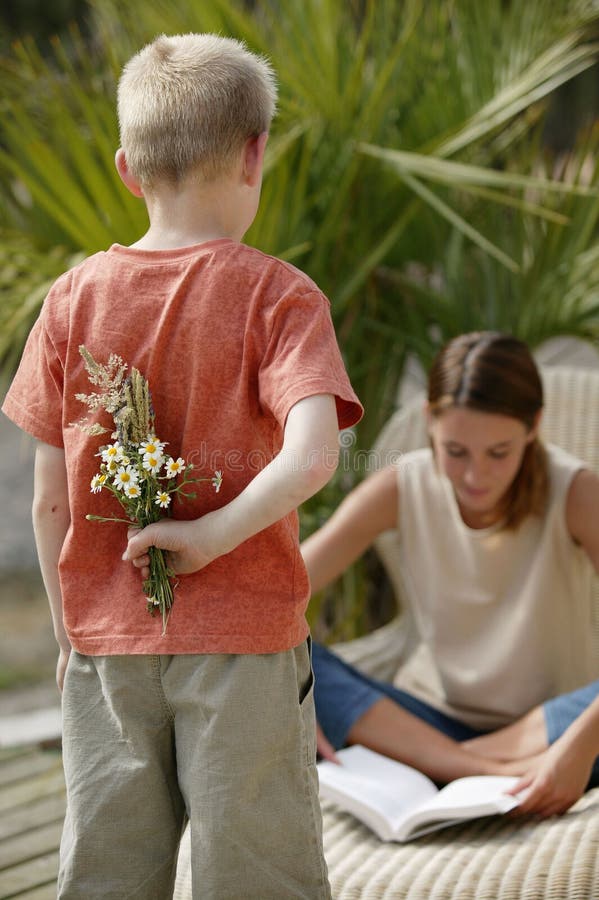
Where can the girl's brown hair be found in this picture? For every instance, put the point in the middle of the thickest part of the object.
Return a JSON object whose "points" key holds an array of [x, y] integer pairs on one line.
{"points": [[495, 373]]}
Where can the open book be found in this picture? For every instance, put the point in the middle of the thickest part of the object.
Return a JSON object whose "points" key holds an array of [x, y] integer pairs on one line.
{"points": [[399, 803]]}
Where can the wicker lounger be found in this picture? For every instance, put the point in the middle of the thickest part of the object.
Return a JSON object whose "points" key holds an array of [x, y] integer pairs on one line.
{"points": [[492, 858], [487, 859]]}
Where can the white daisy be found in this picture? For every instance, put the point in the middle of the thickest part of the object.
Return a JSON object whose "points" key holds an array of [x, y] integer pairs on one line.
{"points": [[97, 483], [112, 453], [152, 462], [152, 446], [162, 499], [125, 477], [133, 490], [174, 466]]}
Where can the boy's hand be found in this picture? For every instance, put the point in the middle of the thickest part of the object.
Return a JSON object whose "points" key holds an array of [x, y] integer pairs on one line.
{"points": [[190, 545], [305, 463], [61, 666]]}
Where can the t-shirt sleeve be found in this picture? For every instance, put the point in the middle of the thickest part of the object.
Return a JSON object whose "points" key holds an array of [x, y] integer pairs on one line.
{"points": [[34, 400], [302, 358]]}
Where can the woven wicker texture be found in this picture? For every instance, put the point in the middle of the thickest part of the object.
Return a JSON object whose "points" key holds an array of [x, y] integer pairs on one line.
{"points": [[487, 859]]}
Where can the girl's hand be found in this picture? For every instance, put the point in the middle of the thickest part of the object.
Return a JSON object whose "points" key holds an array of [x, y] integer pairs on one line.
{"points": [[554, 781], [324, 747]]}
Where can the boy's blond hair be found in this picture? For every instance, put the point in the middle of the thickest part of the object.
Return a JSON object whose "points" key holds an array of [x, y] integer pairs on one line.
{"points": [[188, 103]]}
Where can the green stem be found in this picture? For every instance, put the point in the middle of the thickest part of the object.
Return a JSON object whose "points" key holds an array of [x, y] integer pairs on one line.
{"points": [[109, 519], [158, 586]]}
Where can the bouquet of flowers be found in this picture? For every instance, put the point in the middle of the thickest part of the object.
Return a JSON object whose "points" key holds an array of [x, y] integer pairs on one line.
{"points": [[134, 467]]}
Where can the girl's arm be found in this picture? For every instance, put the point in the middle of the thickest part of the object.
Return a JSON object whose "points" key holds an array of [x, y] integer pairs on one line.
{"points": [[582, 513], [370, 509], [51, 521], [559, 776]]}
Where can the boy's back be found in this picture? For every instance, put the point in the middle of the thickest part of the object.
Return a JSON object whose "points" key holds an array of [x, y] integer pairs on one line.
{"points": [[229, 340]]}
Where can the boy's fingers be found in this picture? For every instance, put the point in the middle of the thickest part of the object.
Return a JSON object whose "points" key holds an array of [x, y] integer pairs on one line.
{"points": [[128, 555], [139, 539]]}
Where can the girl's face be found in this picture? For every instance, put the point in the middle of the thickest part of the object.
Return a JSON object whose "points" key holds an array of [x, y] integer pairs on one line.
{"points": [[480, 453]]}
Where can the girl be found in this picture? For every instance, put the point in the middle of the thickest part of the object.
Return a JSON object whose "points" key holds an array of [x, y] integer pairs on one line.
{"points": [[499, 537]]}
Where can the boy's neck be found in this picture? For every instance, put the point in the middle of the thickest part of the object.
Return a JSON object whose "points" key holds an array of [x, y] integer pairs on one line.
{"points": [[160, 238], [192, 214]]}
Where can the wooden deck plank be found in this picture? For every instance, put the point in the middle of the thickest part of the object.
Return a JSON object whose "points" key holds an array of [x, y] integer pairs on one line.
{"points": [[43, 784], [43, 892], [28, 875], [38, 841], [7, 753], [38, 812], [32, 806], [24, 766]]}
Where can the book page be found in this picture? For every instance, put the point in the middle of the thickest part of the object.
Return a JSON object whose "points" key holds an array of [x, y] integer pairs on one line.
{"points": [[374, 788], [400, 803], [465, 798], [474, 792]]}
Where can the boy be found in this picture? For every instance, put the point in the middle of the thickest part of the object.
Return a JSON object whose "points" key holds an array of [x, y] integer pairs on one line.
{"points": [[214, 720]]}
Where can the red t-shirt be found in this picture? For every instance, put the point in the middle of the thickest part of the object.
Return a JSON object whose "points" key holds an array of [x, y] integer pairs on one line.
{"points": [[229, 340]]}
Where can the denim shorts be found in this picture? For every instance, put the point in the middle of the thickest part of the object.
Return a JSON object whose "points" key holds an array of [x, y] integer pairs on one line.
{"points": [[343, 694]]}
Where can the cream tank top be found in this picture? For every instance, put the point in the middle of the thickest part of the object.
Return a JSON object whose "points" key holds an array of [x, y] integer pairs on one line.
{"points": [[504, 617]]}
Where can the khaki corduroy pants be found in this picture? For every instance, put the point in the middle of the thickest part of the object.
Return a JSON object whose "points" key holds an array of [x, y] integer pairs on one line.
{"points": [[225, 741]]}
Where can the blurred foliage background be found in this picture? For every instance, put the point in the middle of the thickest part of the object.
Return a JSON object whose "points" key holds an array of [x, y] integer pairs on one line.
{"points": [[433, 166]]}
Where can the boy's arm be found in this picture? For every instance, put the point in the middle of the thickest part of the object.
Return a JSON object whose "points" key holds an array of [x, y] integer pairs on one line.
{"points": [[51, 520], [307, 460]]}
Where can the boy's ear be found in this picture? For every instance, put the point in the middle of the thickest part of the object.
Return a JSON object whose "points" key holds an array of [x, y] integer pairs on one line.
{"points": [[253, 158], [127, 178]]}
